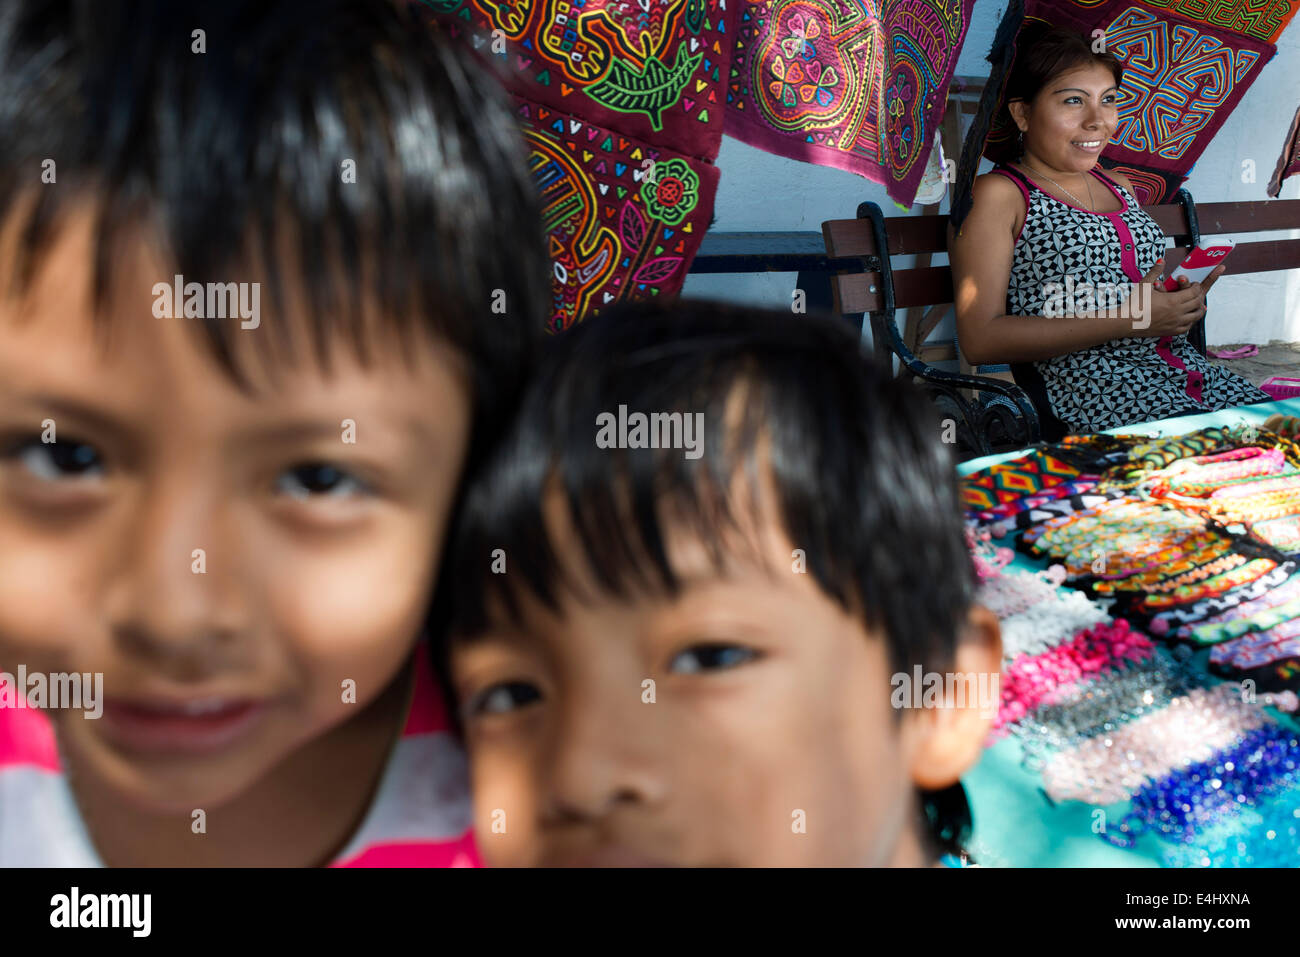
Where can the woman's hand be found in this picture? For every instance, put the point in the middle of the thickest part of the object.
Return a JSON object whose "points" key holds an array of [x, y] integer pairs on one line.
{"points": [[1173, 313]]}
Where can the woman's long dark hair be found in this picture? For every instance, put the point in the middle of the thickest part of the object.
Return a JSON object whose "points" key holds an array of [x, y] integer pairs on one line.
{"points": [[1042, 53]]}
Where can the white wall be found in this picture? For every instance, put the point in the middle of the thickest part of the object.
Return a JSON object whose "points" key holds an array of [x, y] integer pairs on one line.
{"points": [[760, 191]]}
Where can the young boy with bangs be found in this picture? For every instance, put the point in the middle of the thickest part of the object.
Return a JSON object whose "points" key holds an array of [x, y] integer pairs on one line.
{"points": [[251, 265], [688, 653]]}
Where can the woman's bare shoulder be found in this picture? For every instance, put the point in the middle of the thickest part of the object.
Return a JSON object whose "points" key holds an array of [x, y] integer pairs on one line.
{"points": [[997, 190], [996, 197]]}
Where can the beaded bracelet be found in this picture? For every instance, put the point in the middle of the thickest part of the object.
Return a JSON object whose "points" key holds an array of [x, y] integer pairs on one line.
{"points": [[1107, 769], [1184, 802], [1049, 623], [1099, 707], [1033, 680], [1014, 591], [987, 558]]}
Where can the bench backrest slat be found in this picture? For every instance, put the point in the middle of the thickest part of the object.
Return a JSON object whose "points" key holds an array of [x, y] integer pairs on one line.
{"points": [[932, 285], [929, 234], [1217, 218]]}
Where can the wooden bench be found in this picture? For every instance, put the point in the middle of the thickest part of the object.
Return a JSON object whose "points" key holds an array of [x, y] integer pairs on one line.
{"points": [[993, 414]]}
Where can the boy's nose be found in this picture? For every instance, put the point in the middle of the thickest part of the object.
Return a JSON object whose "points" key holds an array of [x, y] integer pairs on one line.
{"points": [[604, 757], [174, 592]]}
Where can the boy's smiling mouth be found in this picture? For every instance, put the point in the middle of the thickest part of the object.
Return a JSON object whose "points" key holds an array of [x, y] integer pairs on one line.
{"points": [[609, 856], [195, 725]]}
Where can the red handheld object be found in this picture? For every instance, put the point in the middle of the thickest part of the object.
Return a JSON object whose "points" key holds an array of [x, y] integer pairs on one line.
{"points": [[1200, 262]]}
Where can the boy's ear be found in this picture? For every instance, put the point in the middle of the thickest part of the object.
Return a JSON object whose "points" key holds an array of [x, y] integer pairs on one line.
{"points": [[949, 739]]}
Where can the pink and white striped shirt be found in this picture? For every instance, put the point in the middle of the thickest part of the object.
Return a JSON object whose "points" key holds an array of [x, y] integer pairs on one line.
{"points": [[420, 817]]}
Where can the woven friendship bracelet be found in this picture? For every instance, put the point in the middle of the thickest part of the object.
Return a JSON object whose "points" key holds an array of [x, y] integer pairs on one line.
{"points": [[1279, 594], [1259, 649], [1216, 585], [1212, 632], [1226, 494], [1198, 573], [1166, 564], [1044, 497], [1038, 514], [1128, 529], [1197, 610], [1283, 533]]}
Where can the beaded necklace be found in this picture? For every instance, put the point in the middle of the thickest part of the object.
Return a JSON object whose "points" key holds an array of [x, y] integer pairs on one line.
{"points": [[1099, 707], [1266, 834], [1107, 769], [1033, 680], [1186, 801], [1049, 623]]}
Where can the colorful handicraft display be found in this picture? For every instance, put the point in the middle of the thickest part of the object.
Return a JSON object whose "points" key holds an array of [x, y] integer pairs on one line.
{"points": [[622, 107], [854, 84], [1288, 163], [1208, 768]]}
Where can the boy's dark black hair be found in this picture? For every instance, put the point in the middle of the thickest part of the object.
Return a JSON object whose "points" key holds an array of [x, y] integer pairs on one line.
{"points": [[235, 152], [865, 486]]}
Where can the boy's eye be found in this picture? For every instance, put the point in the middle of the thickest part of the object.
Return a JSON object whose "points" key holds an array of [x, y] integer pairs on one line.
{"points": [[710, 657], [317, 479], [56, 461], [504, 697]]}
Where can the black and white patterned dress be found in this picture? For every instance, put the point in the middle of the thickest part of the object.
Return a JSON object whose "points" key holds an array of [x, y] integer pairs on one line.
{"points": [[1126, 380]]}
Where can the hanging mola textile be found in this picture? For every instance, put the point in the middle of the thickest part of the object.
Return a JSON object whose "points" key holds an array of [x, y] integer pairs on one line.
{"points": [[621, 103], [860, 85], [1187, 63], [1288, 163]]}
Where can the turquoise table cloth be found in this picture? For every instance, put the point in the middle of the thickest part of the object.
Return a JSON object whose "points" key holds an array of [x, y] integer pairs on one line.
{"points": [[1015, 823]]}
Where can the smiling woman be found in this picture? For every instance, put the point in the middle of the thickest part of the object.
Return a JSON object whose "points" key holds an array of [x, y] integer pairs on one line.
{"points": [[1054, 220]]}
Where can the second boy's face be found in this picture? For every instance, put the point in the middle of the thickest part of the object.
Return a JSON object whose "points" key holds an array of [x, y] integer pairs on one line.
{"points": [[232, 564], [746, 723]]}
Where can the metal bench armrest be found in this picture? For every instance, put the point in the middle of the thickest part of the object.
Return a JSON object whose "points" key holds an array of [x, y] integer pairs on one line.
{"points": [[978, 422]]}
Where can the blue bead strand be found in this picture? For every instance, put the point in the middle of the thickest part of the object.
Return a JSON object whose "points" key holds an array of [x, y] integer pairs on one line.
{"points": [[1181, 804]]}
